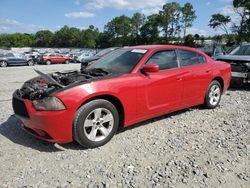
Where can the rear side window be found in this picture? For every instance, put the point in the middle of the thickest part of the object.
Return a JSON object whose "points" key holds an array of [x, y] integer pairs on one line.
{"points": [[188, 58], [165, 59]]}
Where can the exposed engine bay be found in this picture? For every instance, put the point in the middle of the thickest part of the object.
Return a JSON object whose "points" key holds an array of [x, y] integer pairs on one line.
{"points": [[45, 84]]}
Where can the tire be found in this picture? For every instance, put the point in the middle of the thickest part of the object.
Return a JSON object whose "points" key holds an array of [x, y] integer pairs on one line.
{"points": [[30, 63], [213, 95], [48, 62], [90, 128], [67, 62], [3, 64]]}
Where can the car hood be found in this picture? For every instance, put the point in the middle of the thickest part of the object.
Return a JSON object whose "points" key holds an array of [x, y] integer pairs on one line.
{"points": [[46, 84], [234, 57]]}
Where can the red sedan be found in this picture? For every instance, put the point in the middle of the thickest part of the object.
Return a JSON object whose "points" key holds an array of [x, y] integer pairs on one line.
{"points": [[55, 58], [128, 86]]}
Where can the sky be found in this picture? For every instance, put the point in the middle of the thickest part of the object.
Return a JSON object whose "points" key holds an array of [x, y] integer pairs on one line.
{"points": [[29, 16]]}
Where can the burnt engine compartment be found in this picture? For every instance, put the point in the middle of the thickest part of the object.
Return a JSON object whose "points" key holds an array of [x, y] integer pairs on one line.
{"points": [[45, 84]]}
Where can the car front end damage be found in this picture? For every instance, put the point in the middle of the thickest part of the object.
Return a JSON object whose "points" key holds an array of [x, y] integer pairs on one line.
{"points": [[42, 113], [240, 69]]}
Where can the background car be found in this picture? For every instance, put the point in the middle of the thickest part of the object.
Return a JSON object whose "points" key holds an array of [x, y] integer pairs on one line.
{"points": [[9, 59], [100, 54], [55, 58], [239, 59], [120, 89]]}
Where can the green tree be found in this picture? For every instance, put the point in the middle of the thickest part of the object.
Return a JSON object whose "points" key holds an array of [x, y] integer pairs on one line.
{"points": [[169, 19], [44, 38], [188, 16], [89, 37], [137, 21], [189, 41], [17, 40], [120, 30], [150, 30], [67, 37], [220, 21], [242, 8]]}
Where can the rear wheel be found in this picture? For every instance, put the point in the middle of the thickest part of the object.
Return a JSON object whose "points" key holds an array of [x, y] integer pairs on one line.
{"points": [[213, 95], [3, 64], [95, 123], [67, 62]]}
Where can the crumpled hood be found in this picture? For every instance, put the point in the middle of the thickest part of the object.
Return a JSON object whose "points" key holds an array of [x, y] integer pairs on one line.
{"points": [[46, 84]]}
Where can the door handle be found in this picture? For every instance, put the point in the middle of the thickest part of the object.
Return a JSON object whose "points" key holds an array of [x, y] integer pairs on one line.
{"points": [[208, 70], [179, 78]]}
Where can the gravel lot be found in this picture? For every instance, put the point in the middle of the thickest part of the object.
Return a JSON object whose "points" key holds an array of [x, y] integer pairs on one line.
{"points": [[195, 147]]}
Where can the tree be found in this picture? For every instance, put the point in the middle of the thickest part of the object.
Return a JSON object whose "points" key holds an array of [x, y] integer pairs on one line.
{"points": [[219, 21], [137, 21], [242, 8], [188, 16], [17, 40], [67, 37], [120, 30], [149, 31], [44, 38], [89, 37], [189, 41], [169, 19]]}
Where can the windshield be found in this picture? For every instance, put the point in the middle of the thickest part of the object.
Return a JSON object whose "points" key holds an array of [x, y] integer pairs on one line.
{"points": [[119, 61], [103, 52], [243, 50]]}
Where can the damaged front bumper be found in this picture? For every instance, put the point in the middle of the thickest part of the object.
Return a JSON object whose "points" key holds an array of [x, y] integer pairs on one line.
{"points": [[52, 126]]}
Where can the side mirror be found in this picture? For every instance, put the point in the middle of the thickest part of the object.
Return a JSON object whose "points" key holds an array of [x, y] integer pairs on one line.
{"points": [[150, 68]]}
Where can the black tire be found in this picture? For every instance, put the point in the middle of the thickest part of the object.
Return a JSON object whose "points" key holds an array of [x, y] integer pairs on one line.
{"points": [[30, 63], [3, 64], [79, 131], [48, 62], [208, 104], [67, 62]]}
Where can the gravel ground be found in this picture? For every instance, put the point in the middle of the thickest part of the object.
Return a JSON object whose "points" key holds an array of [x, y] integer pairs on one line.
{"points": [[195, 147]]}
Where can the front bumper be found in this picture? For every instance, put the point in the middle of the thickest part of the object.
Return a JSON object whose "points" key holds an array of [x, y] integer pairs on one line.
{"points": [[52, 126]]}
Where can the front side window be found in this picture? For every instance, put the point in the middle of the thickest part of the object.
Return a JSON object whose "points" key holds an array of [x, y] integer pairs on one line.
{"points": [[188, 58], [165, 59]]}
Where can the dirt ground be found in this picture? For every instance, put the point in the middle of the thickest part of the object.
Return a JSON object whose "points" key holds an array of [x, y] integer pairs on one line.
{"points": [[194, 147]]}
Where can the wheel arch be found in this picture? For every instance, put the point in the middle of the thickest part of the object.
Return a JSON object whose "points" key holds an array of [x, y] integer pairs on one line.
{"points": [[220, 80], [115, 101]]}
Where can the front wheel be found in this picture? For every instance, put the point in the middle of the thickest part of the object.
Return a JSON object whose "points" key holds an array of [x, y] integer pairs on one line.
{"points": [[3, 64], [30, 63], [213, 95], [95, 123], [48, 62]]}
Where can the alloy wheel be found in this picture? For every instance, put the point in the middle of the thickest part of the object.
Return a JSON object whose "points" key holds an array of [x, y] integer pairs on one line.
{"points": [[98, 124], [214, 95]]}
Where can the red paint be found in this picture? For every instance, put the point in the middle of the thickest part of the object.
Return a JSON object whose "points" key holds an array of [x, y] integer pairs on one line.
{"points": [[142, 97], [57, 58]]}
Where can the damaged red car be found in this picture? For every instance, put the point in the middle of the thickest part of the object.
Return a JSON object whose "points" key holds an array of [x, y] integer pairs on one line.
{"points": [[127, 86]]}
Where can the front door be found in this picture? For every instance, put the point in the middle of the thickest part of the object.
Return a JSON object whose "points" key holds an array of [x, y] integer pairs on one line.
{"points": [[163, 89]]}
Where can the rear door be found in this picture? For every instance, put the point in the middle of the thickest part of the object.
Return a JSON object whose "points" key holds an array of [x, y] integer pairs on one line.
{"points": [[197, 74]]}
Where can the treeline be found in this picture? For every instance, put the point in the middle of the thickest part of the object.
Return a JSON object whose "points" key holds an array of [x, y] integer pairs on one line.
{"points": [[169, 24]]}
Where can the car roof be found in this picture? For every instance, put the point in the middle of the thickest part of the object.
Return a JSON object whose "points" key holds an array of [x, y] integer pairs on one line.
{"points": [[158, 47]]}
